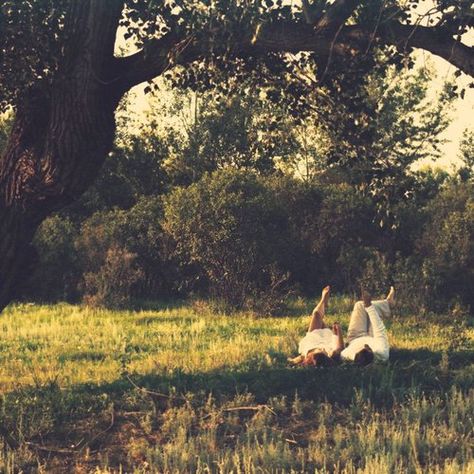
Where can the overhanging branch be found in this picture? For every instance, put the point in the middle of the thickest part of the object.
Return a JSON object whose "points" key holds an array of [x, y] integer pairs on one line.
{"points": [[292, 37], [436, 40], [158, 56]]}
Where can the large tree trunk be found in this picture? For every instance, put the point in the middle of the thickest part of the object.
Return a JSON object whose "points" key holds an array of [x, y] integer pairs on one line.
{"points": [[52, 157], [60, 138]]}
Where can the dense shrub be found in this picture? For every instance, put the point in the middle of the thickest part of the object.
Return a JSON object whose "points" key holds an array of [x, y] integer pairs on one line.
{"points": [[344, 232], [126, 239], [236, 226], [446, 249], [300, 203], [57, 273], [247, 240], [230, 225], [112, 283], [330, 229]]}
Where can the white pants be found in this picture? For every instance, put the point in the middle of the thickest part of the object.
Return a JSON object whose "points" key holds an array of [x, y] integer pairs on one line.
{"points": [[360, 325]]}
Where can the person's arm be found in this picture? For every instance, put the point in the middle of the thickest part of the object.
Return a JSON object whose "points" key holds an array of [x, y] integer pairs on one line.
{"points": [[337, 331], [338, 340], [351, 350]]}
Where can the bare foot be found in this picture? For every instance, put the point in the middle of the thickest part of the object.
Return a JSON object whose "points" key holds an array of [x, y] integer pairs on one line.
{"points": [[336, 329], [296, 360], [325, 293], [391, 296]]}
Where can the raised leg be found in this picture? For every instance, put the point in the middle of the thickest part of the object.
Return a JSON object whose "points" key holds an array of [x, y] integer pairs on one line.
{"points": [[359, 322], [317, 315], [383, 308]]}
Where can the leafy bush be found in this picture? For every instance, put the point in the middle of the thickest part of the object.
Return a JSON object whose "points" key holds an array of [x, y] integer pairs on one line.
{"points": [[230, 225], [57, 272], [111, 285], [132, 240], [446, 248], [344, 232]]}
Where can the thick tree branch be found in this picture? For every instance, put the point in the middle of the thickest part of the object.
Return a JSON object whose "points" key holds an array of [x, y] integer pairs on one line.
{"points": [[148, 63], [436, 40], [167, 52], [160, 55]]}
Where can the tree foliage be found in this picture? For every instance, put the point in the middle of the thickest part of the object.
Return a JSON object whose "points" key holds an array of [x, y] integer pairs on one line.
{"points": [[32, 45], [37, 38]]}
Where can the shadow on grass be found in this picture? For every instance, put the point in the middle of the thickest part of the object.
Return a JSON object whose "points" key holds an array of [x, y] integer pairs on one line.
{"points": [[408, 372], [410, 357], [64, 413]]}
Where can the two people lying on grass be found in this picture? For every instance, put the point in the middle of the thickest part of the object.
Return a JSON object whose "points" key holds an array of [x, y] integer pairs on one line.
{"points": [[366, 337]]}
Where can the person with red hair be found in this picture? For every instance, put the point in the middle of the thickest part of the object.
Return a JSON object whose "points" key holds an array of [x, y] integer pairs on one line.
{"points": [[321, 346]]}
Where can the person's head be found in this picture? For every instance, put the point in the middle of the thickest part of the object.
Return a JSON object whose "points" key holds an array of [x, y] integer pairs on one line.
{"points": [[365, 356], [318, 358]]}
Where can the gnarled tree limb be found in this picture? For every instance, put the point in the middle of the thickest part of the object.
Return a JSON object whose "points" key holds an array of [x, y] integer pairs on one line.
{"points": [[292, 38]]}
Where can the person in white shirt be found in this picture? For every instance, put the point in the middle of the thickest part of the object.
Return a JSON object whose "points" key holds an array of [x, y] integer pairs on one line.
{"points": [[367, 337], [321, 345]]}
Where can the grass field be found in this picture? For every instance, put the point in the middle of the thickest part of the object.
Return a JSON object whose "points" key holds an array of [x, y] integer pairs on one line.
{"points": [[179, 389]]}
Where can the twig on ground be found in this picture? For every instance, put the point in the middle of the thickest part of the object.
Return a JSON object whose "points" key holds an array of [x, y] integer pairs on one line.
{"points": [[154, 394], [98, 435], [51, 449], [254, 408], [245, 408]]}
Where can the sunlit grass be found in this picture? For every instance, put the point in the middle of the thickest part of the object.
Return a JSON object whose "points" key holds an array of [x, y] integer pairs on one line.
{"points": [[64, 369], [79, 344]]}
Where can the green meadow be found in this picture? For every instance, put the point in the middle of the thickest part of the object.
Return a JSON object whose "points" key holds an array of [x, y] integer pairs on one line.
{"points": [[179, 388]]}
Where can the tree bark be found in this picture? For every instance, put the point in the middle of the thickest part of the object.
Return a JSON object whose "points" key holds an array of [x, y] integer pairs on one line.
{"points": [[60, 138]]}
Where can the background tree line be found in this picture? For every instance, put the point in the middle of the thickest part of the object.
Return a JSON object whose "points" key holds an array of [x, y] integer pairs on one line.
{"points": [[242, 200]]}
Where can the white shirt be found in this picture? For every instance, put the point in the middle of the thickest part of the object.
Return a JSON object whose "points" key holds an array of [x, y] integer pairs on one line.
{"points": [[378, 343], [318, 339]]}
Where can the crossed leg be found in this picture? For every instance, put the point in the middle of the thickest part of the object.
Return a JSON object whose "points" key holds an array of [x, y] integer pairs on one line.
{"points": [[359, 324]]}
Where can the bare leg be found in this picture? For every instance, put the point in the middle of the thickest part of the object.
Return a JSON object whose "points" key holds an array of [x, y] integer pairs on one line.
{"points": [[317, 316], [391, 297]]}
